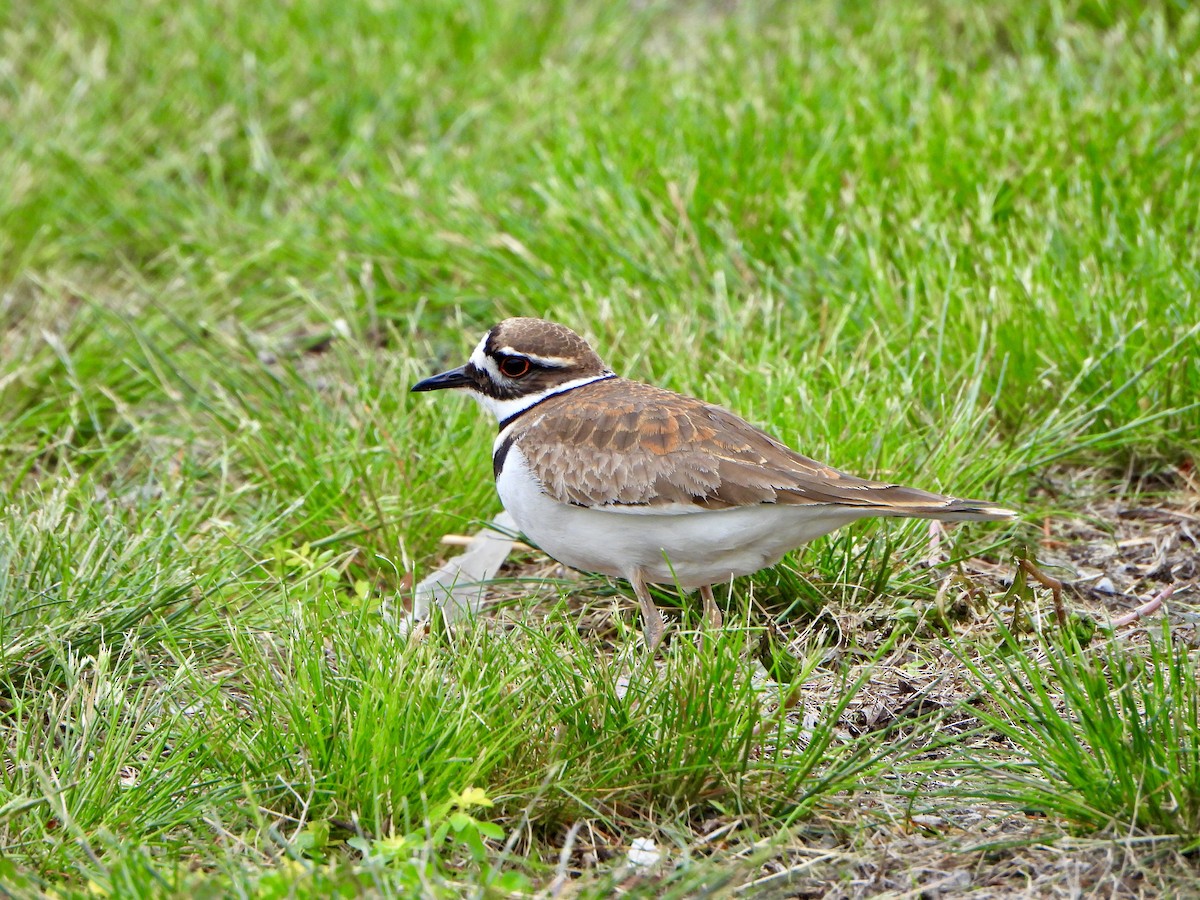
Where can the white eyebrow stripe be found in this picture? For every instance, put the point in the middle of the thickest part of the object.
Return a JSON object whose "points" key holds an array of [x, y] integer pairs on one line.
{"points": [[555, 362]]}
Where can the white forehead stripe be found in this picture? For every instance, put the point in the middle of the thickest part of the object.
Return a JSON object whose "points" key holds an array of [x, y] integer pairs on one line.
{"points": [[484, 363]]}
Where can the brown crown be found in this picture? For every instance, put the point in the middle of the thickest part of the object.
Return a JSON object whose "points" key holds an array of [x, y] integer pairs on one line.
{"points": [[542, 340]]}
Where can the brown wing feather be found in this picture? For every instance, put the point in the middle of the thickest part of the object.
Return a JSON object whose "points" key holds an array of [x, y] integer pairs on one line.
{"points": [[635, 444]]}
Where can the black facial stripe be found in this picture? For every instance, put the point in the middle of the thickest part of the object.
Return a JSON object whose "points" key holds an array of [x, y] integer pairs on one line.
{"points": [[482, 382], [520, 412], [489, 345]]}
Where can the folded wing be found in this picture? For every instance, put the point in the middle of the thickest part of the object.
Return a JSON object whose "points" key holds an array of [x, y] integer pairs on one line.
{"points": [[633, 446]]}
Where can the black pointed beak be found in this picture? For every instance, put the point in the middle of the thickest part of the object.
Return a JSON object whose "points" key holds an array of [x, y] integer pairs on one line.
{"points": [[455, 378]]}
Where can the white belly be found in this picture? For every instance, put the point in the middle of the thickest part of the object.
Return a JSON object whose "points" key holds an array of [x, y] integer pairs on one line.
{"points": [[691, 548]]}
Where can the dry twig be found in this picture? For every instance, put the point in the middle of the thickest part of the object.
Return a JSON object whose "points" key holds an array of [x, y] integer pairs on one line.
{"points": [[1150, 606], [1055, 586]]}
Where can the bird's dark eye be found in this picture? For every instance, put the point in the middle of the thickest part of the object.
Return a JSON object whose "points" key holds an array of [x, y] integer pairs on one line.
{"points": [[514, 366]]}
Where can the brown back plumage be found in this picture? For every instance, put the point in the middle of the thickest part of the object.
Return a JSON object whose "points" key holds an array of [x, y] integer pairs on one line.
{"points": [[624, 443]]}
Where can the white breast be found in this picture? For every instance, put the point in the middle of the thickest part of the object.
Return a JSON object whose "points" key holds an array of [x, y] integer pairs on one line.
{"points": [[692, 548]]}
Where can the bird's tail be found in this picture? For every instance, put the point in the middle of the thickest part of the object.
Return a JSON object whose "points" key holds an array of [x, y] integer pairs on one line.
{"points": [[950, 509]]}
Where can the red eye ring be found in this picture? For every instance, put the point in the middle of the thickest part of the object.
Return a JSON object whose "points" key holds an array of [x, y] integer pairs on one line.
{"points": [[514, 366]]}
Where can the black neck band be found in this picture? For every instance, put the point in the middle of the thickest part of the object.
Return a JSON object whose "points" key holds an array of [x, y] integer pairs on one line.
{"points": [[504, 423]]}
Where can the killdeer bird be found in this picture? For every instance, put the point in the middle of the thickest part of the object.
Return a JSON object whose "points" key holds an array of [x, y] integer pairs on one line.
{"points": [[626, 479]]}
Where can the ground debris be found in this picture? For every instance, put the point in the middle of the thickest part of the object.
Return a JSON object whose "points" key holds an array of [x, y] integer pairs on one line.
{"points": [[1017, 859], [1120, 553]]}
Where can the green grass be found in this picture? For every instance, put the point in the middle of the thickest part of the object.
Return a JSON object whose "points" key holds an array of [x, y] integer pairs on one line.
{"points": [[950, 244], [1109, 739]]}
